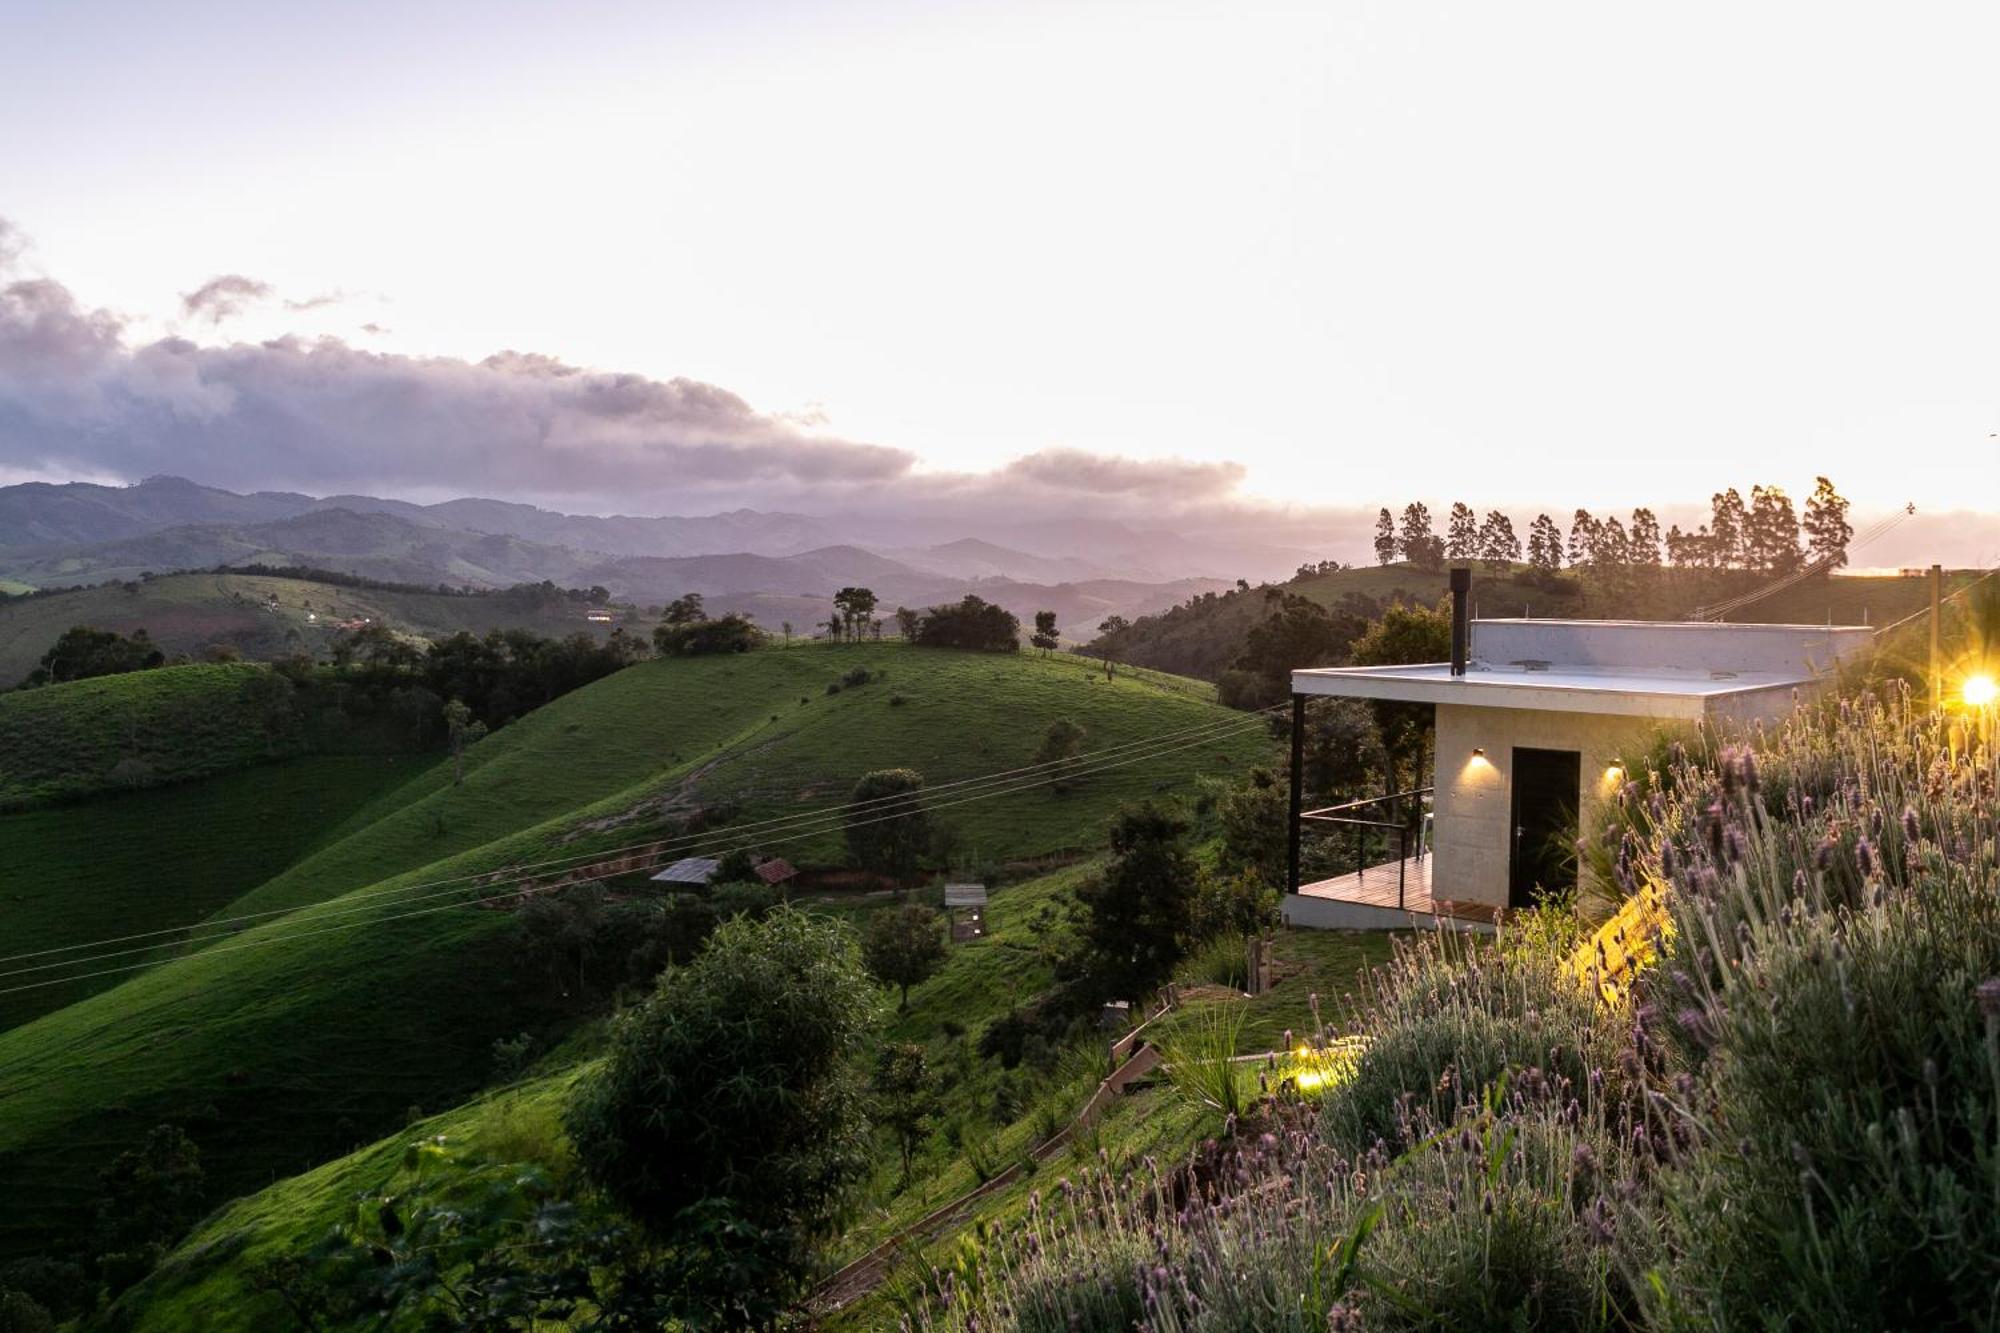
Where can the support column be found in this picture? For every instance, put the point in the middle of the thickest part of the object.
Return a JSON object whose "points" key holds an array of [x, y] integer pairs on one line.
{"points": [[1298, 786]]}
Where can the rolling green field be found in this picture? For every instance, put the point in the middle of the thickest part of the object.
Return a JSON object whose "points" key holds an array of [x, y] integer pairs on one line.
{"points": [[300, 1037], [146, 861], [261, 616], [141, 729]]}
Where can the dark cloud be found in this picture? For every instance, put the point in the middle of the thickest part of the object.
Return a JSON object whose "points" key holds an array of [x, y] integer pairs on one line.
{"points": [[78, 395], [223, 297]]}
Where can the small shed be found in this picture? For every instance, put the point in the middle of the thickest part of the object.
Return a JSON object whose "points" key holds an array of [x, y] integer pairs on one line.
{"points": [[775, 870], [966, 905], [695, 871]]}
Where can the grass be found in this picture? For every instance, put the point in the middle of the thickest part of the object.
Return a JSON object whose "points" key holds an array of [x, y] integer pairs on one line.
{"points": [[142, 729], [144, 861], [206, 1282], [277, 1048], [259, 615]]}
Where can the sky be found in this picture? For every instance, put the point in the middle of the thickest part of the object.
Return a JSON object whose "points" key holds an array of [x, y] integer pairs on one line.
{"points": [[1150, 255]]}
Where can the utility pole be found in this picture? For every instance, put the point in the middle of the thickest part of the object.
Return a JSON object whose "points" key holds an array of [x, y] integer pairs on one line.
{"points": [[1937, 636], [1298, 788]]}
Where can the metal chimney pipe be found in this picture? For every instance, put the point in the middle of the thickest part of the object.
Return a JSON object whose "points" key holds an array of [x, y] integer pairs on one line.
{"points": [[1461, 623]]}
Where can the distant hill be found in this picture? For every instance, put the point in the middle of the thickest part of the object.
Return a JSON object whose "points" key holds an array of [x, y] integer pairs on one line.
{"points": [[262, 616]]}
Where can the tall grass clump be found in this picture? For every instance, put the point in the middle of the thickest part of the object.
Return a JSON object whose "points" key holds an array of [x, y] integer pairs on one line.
{"points": [[1198, 1055]]}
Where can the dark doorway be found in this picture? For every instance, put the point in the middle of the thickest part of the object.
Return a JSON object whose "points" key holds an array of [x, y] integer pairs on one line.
{"points": [[1547, 784]]}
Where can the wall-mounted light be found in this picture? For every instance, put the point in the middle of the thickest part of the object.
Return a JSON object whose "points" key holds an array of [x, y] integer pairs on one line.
{"points": [[1613, 772], [1478, 752]]}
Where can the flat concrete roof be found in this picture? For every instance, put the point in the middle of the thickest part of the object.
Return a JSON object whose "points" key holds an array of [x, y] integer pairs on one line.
{"points": [[1632, 668], [1618, 692]]}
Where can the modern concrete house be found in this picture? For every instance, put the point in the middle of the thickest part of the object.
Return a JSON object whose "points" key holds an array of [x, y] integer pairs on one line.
{"points": [[1531, 716]]}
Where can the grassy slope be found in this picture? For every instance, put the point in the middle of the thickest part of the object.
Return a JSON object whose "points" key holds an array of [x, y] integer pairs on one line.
{"points": [[144, 861], [168, 725], [185, 613], [203, 1281], [280, 1048]]}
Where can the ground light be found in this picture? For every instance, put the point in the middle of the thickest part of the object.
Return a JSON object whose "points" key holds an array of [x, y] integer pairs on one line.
{"points": [[1979, 691]]}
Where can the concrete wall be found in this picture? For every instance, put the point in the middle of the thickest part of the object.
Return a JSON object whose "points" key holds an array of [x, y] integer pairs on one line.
{"points": [[1681, 646], [1472, 831]]}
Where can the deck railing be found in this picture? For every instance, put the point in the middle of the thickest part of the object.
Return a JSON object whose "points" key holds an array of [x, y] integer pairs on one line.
{"points": [[1353, 815]]}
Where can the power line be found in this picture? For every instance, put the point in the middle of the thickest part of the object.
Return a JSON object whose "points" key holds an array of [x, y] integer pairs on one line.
{"points": [[811, 826], [683, 843]]}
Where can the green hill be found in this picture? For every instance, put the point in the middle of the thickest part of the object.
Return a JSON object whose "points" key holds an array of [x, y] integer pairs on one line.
{"points": [[142, 729], [1203, 636], [262, 616], [144, 861], [303, 1035]]}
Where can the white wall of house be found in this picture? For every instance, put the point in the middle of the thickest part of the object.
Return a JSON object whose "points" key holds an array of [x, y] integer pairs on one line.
{"points": [[1473, 824]]}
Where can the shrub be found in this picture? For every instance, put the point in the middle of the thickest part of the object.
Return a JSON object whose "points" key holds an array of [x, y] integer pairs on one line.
{"points": [[1833, 979], [730, 1098], [701, 638], [1450, 1022]]}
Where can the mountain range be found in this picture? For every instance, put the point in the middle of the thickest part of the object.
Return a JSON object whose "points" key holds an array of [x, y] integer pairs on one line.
{"points": [[775, 566]]}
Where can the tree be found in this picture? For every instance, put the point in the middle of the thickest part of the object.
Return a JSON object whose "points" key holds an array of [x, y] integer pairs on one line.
{"points": [[1418, 543], [1385, 537], [1545, 547], [1461, 533], [906, 623], [148, 1197], [1045, 637], [1583, 538], [1061, 747], [1404, 634], [887, 826], [854, 606], [1499, 548], [971, 622], [1139, 910], [82, 653], [1771, 537], [732, 633], [906, 1096], [786, 627], [1108, 630], [1642, 539], [1726, 529], [1826, 527], [462, 729], [685, 609], [729, 1118], [903, 946], [1300, 633]]}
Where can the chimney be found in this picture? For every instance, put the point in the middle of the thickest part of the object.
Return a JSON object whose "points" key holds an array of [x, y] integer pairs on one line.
{"points": [[1461, 623]]}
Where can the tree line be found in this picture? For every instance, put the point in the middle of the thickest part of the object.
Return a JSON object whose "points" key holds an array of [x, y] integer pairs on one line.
{"points": [[1766, 535]]}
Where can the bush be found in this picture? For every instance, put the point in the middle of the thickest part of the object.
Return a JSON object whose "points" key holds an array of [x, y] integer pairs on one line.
{"points": [[1450, 1023], [734, 1088]]}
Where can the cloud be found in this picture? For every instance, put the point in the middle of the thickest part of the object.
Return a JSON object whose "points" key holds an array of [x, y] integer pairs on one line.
{"points": [[77, 394], [1106, 474], [224, 297]]}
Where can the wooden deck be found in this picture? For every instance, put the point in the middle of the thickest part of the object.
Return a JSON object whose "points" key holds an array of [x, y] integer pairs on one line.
{"points": [[1377, 886]]}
